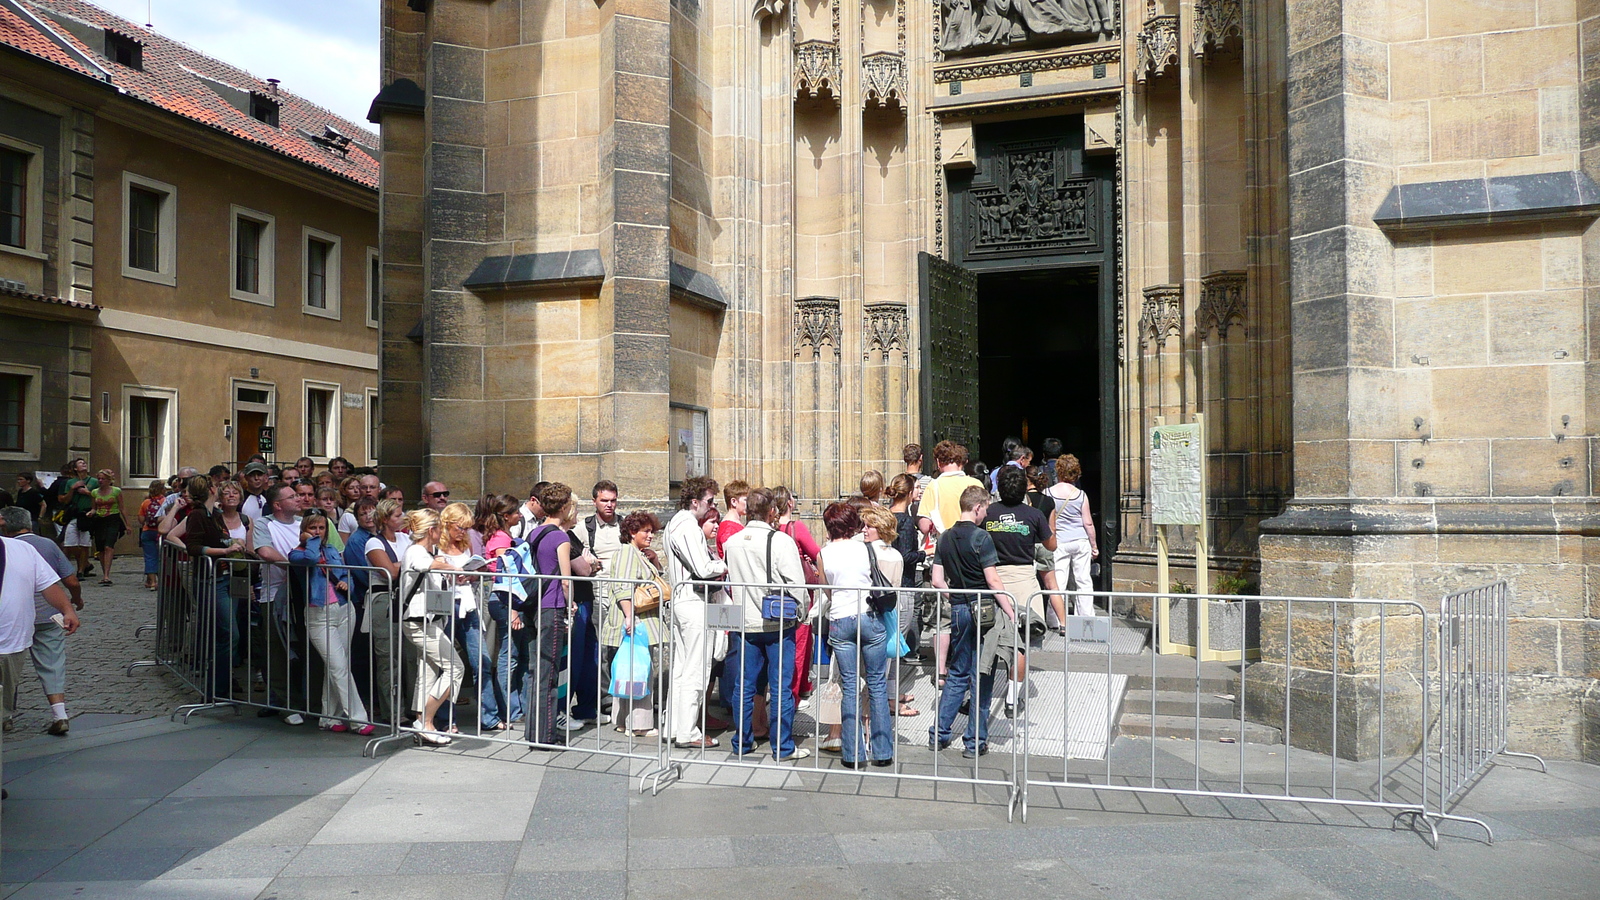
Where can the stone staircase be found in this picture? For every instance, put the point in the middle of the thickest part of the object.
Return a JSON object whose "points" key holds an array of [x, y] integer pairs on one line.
{"points": [[1206, 710]]}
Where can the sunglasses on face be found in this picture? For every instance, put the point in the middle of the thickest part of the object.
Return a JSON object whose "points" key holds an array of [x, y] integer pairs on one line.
{"points": [[439, 494]]}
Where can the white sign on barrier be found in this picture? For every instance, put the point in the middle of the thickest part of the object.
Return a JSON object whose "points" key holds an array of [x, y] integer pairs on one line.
{"points": [[724, 616], [1175, 474]]}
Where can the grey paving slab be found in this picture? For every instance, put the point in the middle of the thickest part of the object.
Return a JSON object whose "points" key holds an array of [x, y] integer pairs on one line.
{"points": [[1533, 868], [212, 742], [1356, 874], [389, 887], [724, 811], [564, 854], [192, 889], [287, 777], [743, 883], [584, 885], [418, 772], [764, 850], [891, 847], [317, 860], [461, 858], [64, 824], [96, 864], [1555, 822], [108, 779], [279, 741], [16, 768], [213, 821], [1011, 880], [233, 862], [1224, 876], [17, 866], [710, 852], [375, 817]]}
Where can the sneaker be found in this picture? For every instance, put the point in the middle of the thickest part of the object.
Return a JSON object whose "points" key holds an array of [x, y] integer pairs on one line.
{"points": [[6, 725], [339, 727], [833, 745], [937, 745], [802, 753], [565, 724], [294, 719], [974, 754], [58, 727], [366, 730]]}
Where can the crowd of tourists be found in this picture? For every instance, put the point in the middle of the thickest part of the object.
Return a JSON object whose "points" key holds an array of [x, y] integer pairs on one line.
{"points": [[321, 592]]}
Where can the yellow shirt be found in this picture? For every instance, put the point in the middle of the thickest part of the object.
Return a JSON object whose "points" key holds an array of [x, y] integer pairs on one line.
{"points": [[941, 501]]}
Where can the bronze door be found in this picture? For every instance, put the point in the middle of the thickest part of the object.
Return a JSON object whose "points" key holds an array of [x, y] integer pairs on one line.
{"points": [[949, 352]]}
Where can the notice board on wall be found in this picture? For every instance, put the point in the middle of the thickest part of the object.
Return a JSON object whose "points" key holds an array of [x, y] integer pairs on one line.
{"points": [[1177, 473]]}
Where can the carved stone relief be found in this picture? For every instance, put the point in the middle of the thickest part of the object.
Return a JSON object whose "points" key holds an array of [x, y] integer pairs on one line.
{"points": [[1214, 22], [986, 24], [816, 325], [1026, 204], [769, 8], [883, 81], [884, 328], [1222, 303], [1158, 47], [816, 70], [1162, 316]]}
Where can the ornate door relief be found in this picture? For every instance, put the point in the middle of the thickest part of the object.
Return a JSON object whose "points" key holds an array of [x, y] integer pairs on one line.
{"points": [[816, 327], [1022, 203]]}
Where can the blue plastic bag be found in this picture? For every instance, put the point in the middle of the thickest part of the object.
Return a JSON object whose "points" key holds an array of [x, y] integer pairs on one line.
{"points": [[630, 670], [897, 640]]}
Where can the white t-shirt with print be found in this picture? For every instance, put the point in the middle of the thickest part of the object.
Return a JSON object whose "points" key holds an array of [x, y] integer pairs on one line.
{"points": [[26, 574]]}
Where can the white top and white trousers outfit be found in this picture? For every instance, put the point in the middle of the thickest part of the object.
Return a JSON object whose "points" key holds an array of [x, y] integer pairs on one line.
{"points": [[691, 652]]}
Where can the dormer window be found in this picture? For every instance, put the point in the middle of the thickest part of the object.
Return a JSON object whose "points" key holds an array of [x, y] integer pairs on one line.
{"points": [[264, 109], [124, 50]]}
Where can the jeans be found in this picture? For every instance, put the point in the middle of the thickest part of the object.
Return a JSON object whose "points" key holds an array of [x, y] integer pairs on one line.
{"points": [[583, 664], [769, 653], [510, 654], [150, 543], [860, 645], [225, 651], [550, 631], [962, 661]]}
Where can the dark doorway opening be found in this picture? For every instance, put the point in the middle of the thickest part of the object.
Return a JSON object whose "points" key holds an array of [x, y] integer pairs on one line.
{"points": [[1039, 365]]}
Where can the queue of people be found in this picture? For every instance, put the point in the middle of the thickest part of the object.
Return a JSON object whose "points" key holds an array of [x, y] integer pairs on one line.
{"points": [[329, 595]]}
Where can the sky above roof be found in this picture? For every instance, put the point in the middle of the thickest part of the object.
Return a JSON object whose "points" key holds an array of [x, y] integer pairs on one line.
{"points": [[323, 50]]}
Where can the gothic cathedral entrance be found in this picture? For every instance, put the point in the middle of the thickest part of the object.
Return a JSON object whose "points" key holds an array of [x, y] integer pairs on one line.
{"points": [[1021, 331]]}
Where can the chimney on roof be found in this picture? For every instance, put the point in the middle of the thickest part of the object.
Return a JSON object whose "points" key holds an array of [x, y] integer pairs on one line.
{"points": [[274, 83]]}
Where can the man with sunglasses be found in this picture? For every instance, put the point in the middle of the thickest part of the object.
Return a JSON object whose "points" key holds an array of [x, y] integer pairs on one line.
{"points": [[435, 496]]}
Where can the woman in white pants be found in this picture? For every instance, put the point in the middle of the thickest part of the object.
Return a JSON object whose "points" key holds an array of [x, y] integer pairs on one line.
{"points": [[439, 667], [330, 621], [1076, 545]]}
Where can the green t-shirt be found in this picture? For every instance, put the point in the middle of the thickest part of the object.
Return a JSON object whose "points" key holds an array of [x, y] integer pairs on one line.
{"points": [[76, 501]]}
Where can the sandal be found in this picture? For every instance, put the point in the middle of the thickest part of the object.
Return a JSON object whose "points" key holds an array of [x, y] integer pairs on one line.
{"points": [[906, 709]]}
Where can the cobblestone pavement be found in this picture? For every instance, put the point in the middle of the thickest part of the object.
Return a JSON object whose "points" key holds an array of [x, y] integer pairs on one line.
{"points": [[98, 685]]}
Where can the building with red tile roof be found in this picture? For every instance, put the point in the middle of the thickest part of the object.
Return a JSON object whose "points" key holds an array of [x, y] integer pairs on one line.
{"points": [[188, 255]]}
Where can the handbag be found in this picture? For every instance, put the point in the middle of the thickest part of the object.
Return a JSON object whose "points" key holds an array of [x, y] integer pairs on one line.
{"points": [[830, 703], [882, 597], [897, 641], [648, 596], [779, 606], [630, 669]]}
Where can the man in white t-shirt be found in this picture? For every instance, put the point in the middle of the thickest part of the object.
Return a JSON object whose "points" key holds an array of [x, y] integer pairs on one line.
{"points": [[23, 574], [532, 514], [254, 479], [49, 650], [282, 632]]}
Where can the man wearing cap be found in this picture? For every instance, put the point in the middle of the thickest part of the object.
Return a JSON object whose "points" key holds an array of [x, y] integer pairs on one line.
{"points": [[255, 485]]}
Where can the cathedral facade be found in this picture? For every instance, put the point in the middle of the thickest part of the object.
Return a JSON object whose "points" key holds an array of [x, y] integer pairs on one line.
{"points": [[777, 240]]}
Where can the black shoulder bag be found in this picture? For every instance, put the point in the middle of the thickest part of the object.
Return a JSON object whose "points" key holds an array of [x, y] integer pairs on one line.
{"points": [[883, 596]]}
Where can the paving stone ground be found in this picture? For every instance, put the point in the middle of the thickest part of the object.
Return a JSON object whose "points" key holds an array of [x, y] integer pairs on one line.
{"points": [[99, 691]]}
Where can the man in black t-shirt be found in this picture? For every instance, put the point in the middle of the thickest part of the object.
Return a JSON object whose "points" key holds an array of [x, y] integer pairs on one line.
{"points": [[1016, 529], [966, 561]]}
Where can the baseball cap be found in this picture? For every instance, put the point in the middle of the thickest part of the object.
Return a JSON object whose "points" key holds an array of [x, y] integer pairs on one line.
{"points": [[256, 468]]}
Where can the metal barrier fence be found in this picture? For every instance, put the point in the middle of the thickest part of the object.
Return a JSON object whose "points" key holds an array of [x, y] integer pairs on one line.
{"points": [[1471, 723], [697, 622], [242, 633]]}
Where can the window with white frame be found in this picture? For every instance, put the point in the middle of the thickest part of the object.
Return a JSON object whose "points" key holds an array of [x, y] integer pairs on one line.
{"points": [[319, 263], [149, 432], [149, 229], [374, 286], [21, 197], [253, 256], [372, 426], [321, 421], [19, 411]]}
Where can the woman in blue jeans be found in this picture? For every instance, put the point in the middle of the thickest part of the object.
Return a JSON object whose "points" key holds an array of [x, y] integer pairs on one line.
{"points": [[495, 517], [858, 638], [213, 533]]}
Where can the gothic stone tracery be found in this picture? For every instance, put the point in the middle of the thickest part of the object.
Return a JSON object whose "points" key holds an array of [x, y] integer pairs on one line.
{"points": [[816, 325]]}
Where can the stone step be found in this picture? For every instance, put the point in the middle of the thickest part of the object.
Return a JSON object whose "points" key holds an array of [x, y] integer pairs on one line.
{"points": [[1139, 725], [1181, 703], [1213, 682]]}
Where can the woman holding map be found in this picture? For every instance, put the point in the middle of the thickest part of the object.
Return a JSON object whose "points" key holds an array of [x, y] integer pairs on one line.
{"points": [[1076, 544]]}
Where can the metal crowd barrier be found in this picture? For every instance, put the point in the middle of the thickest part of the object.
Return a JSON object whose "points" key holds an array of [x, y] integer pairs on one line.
{"points": [[527, 660], [913, 758], [1471, 724]]}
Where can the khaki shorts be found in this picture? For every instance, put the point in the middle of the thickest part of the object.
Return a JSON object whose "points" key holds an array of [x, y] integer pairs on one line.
{"points": [[1022, 583]]}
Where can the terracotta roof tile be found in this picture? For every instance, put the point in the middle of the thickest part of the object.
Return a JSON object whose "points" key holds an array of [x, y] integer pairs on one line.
{"points": [[172, 79], [8, 291]]}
